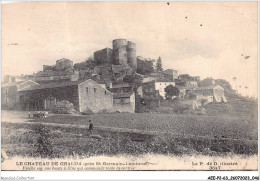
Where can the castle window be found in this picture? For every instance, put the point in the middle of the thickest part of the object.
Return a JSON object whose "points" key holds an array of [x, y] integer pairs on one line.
{"points": [[6, 91], [6, 100], [105, 92], [86, 89], [95, 89]]}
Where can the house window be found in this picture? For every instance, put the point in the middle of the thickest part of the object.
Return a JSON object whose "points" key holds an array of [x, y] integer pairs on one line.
{"points": [[86, 89], [95, 89]]}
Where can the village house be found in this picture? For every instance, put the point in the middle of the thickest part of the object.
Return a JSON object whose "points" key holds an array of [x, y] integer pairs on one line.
{"points": [[156, 88], [119, 88], [124, 102], [10, 92], [191, 83], [213, 93], [85, 95], [161, 84], [171, 74], [187, 81]]}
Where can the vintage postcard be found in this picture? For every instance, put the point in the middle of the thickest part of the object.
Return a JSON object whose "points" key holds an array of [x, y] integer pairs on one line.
{"points": [[93, 86]]}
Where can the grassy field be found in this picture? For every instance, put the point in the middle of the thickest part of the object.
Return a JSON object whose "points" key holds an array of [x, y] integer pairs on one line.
{"points": [[25, 139], [237, 106], [197, 125]]}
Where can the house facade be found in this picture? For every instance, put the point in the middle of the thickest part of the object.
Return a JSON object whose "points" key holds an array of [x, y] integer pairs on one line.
{"points": [[94, 97], [160, 85], [85, 95], [213, 93]]}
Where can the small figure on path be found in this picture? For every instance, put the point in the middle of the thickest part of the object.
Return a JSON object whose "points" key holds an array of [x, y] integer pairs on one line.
{"points": [[90, 128]]}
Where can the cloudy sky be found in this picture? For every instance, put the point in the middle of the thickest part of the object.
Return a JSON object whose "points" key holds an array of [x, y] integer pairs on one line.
{"points": [[209, 39]]}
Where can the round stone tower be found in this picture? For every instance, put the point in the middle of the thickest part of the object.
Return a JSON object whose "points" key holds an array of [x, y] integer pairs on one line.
{"points": [[119, 52], [131, 55], [119, 43]]}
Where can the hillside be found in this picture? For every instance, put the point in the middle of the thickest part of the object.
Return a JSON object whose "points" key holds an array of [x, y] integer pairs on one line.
{"points": [[237, 106]]}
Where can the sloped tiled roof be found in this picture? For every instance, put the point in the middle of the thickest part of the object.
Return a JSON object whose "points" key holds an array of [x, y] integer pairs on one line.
{"points": [[59, 84], [53, 85]]}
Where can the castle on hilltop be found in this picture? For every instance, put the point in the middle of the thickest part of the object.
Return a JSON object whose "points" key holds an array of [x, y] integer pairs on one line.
{"points": [[109, 81], [123, 53], [116, 63]]}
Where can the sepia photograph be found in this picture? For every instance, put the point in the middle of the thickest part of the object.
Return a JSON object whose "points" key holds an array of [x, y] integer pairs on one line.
{"points": [[129, 86]]}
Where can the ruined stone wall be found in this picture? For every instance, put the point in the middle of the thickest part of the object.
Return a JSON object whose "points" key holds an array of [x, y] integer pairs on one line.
{"points": [[103, 56]]}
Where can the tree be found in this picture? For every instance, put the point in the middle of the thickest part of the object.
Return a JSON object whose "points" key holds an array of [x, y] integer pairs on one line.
{"points": [[159, 65], [63, 107], [171, 91]]}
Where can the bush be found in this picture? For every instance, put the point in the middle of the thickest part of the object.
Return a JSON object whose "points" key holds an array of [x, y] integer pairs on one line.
{"points": [[63, 107], [181, 108], [147, 104], [41, 141], [87, 112]]}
